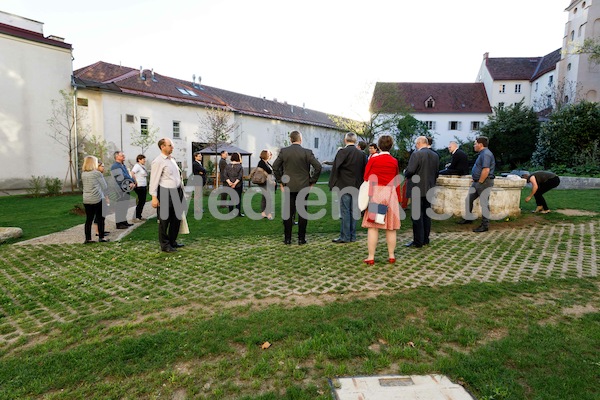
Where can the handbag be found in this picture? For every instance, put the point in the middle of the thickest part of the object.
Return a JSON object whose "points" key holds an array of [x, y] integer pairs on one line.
{"points": [[258, 176], [376, 213]]}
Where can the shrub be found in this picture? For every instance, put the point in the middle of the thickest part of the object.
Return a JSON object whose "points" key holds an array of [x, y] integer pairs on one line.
{"points": [[53, 186], [36, 184]]}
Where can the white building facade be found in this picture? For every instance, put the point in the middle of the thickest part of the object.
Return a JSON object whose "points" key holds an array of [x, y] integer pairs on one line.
{"points": [[33, 71]]}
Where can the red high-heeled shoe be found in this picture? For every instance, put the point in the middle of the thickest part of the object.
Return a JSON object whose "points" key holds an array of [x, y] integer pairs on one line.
{"points": [[369, 262], [392, 260]]}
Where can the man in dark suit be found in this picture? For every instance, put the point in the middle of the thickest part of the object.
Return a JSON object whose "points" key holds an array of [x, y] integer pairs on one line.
{"points": [[292, 170], [422, 172], [460, 162], [345, 179], [198, 169]]}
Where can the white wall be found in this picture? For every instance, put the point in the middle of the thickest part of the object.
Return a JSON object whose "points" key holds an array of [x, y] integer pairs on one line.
{"points": [[31, 74], [107, 119]]}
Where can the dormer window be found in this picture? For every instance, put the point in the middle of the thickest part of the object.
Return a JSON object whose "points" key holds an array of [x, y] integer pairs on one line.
{"points": [[430, 102], [187, 92]]}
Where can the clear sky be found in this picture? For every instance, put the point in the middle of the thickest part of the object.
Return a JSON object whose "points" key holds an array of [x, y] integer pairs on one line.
{"points": [[326, 54]]}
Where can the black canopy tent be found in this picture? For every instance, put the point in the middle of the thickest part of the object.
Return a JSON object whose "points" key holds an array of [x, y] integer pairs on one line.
{"points": [[211, 150]]}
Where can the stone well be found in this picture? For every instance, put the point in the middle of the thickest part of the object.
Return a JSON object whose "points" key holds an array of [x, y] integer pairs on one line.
{"points": [[452, 190]]}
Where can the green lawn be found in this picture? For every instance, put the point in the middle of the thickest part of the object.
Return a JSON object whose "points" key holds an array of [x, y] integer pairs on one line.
{"points": [[125, 321]]}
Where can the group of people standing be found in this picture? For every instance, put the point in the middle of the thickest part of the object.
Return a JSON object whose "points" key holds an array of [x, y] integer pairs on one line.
{"points": [[296, 170]]}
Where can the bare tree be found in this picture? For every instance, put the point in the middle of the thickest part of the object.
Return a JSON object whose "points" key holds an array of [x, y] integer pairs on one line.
{"points": [[144, 138], [215, 129], [68, 129], [98, 147], [556, 97]]}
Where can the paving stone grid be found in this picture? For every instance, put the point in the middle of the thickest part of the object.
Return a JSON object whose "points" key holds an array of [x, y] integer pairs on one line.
{"points": [[45, 285]]}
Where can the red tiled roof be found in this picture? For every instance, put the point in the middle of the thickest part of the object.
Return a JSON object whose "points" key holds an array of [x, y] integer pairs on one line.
{"points": [[106, 76], [33, 36], [389, 97]]}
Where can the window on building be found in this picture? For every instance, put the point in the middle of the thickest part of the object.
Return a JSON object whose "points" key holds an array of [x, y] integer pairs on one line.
{"points": [[550, 80], [549, 101], [569, 67], [476, 125], [430, 102], [502, 88], [430, 125], [572, 35], [129, 118], [176, 133], [518, 88], [566, 99], [454, 125], [316, 143], [144, 126], [82, 102], [536, 86], [501, 104], [579, 31]]}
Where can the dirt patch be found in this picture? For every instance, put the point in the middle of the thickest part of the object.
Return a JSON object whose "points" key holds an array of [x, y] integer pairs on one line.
{"points": [[578, 311], [577, 213]]}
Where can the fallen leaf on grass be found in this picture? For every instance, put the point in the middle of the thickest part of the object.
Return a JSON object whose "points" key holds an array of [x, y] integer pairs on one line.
{"points": [[265, 345]]}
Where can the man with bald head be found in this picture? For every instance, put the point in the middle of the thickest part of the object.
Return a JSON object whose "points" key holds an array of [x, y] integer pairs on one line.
{"points": [[422, 172], [167, 196], [460, 162]]}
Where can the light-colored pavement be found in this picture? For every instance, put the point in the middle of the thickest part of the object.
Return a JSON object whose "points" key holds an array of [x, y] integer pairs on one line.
{"points": [[76, 234]]}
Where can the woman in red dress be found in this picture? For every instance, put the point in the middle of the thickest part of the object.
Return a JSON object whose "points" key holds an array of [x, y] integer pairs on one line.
{"points": [[383, 173]]}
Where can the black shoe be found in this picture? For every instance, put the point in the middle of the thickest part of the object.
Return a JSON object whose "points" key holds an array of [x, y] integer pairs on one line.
{"points": [[103, 240], [464, 221], [301, 241], [287, 242], [338, 240], [88, 242], [481, 228], [127, 224], [122, 226], [169, 249], [413, 244], [177, 245]]}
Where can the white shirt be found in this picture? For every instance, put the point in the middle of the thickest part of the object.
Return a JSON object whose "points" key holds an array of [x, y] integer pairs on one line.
{"points": [[165, 173], [140, 174]]}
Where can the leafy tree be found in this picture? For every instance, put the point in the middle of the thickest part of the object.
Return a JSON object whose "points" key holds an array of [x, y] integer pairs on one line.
{"points": [[68, 129], [408, 129], [571, 136], [144, 138], [512, 132], [592, 47]]}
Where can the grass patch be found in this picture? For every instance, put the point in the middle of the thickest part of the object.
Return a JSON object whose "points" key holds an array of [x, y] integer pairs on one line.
{"points": [[512, 315]]}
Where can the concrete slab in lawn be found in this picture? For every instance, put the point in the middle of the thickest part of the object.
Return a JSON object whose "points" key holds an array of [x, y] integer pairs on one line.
{"points": [[398, 387]]}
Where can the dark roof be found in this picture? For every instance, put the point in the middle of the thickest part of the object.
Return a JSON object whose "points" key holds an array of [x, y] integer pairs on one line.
{"points": [[32, 36], [547, 64], [521, 68], [390, 97], [111, 77]]}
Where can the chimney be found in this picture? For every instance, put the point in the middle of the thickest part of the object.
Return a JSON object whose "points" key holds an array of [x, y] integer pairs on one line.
{"points": [[142, 77], [486, 55], [153, 78]]}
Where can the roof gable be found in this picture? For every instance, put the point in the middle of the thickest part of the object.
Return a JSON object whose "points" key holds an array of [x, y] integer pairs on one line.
{"points": [[390, 97], [521, 68]]}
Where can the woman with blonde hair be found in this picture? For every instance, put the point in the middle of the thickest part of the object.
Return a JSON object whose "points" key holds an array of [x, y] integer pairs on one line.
{"points": [[383, 174], [94, 187]]}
